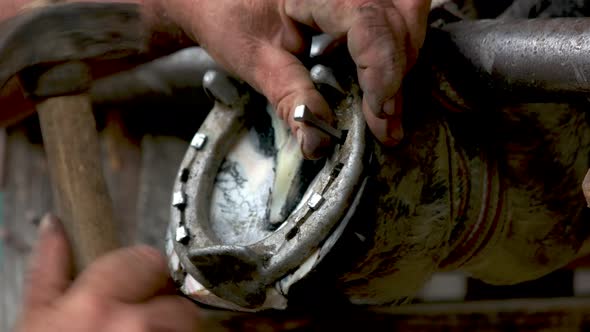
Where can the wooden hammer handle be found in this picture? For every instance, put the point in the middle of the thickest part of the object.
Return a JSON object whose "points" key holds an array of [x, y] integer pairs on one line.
{"points": [[81, 195]]}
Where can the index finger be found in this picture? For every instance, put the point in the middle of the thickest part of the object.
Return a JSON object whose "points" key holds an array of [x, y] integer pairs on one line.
{"points": [[383, 40]]}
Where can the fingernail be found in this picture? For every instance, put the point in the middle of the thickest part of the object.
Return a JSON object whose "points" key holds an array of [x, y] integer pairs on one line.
{"points": [[308, 143], [47, 223], [389, 107], [313, 142], [300, 138]]}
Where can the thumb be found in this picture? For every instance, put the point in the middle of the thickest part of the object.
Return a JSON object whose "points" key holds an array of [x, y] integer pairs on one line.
{"points": [[49, 273], [286, 83]]}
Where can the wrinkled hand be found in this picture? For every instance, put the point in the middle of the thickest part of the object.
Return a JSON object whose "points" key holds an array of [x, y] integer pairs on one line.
{"points": [[126, 290], [257, 41]]}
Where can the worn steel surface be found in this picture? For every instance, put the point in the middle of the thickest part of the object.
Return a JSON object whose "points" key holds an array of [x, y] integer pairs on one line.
{"points": [[260, 265], [522, 60]]}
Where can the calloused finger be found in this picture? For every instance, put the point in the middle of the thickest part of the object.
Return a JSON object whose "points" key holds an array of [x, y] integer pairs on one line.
{"points": [[377, 44]]}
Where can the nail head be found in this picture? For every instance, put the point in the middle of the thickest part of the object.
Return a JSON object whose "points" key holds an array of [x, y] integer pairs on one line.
{"points": [[315, 201], [198, 141]]}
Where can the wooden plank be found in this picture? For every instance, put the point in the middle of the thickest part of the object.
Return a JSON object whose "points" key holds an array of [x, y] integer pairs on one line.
{"points": [[27, 197], [161, 157]]}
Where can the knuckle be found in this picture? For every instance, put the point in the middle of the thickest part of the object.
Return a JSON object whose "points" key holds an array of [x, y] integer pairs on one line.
{"points": [[381, 12], [382, 20], [372, 16], [283, 85], [284, 107], [285, 102]]}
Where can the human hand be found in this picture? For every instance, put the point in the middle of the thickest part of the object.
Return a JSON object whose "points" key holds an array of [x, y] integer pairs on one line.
{"points": [[126, 290], [257, 41]]}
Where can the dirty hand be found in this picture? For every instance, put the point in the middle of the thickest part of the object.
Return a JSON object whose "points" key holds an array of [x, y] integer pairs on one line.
{"points": [[122, 291], [257, 40]]}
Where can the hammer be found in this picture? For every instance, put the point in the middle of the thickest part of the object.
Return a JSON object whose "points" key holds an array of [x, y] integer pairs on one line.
{"points": [[57, 76]]}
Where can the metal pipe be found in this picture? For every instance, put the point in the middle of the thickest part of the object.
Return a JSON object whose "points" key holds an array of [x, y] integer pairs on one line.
{"points": [[533, 60]]}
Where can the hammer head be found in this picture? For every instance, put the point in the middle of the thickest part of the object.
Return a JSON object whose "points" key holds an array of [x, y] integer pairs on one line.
{"points": [[73, 45]]}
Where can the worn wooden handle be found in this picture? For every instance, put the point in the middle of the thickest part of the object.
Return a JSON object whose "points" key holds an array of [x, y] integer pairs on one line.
{"points": [[81, 195]]}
